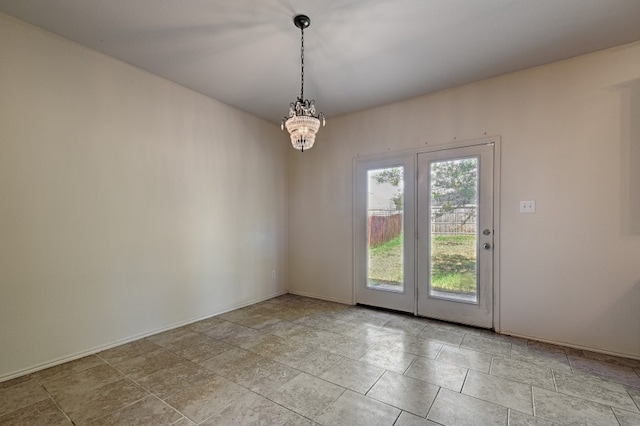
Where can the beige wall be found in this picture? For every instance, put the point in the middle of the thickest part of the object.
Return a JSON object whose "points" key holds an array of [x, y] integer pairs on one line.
{"points": [[128, 204], [570, 132]]}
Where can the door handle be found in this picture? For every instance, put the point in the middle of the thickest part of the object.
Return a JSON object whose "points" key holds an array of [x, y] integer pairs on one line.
{"points": [[486, 246]]}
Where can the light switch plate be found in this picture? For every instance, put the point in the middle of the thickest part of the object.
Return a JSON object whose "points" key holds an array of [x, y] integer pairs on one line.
{"points": [[528, 206]]}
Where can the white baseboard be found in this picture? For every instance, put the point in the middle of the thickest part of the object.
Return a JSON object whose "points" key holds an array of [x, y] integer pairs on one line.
{"points": [[82, 354]]}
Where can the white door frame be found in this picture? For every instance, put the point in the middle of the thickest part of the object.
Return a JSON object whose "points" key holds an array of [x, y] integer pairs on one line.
{"points": [[496, 140]]}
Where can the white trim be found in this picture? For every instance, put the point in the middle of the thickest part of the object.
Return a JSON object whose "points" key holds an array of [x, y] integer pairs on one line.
{"points": [[101, 348], [413, 151], [497, 149], [496, 140]]}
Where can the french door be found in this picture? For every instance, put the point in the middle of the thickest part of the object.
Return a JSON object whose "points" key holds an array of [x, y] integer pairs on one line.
{"points": [[424, 233], [385, 224]]}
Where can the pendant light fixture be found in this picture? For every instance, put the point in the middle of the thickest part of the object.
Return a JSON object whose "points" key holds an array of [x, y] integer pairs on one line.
{"points": [[303, 121]]}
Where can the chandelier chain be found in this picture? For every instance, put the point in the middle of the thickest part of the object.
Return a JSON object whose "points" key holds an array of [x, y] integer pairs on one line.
{"points": [[302, 63]]}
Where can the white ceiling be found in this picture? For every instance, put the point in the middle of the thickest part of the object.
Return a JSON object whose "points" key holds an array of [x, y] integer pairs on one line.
{"points": [[358, 53]]}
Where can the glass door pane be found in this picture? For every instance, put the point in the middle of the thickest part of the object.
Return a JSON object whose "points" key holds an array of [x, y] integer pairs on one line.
{"points": [[453, 211], [385, 220], [384, 232]]}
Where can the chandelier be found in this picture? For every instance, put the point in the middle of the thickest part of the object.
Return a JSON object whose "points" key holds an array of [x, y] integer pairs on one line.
{"points": [[303, 121]]}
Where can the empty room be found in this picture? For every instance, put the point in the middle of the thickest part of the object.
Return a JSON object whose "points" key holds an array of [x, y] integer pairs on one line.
{"points": [[282, 212]]}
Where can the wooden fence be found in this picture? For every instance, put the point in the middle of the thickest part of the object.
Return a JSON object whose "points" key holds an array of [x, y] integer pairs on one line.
{"points": [[460, 221], [384, 226]]}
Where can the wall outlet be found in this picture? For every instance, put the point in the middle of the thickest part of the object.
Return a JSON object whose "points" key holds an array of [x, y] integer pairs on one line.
{"points": [[528, 206], [273, 274]]}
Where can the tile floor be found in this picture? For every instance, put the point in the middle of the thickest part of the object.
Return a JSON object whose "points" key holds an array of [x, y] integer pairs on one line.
{"points": [[299, 361]]}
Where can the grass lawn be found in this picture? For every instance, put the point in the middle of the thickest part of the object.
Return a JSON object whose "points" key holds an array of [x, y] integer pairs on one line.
{"points": [[453, 268]]}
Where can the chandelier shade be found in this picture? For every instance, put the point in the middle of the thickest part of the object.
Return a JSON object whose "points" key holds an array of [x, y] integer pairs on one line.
{"points": [[303, 121]]}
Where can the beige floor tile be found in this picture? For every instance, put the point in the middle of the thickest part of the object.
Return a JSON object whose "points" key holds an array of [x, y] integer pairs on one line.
{"points": [[417, 346], [406, 393], [349, 314], [302, 351], [306, 395], [17, 380], [452, 408], [281, 350], [490, 345], [288, 314], [266, 309], [438, 373], [149, 411], [184, 422], [388, 358], [353, 409], [467, 358], [374, 335], [412, 328], [347, 347], [517, 418], [315, 362], [371, 320], [69, 367], [550, 348], [443, 335], [257, 321], [635, 395], [149, 363], [556, 362], [627, 418], [522, 371], [246, 338], [227, 361], [282, 328], [312, 336], [500, 391], [563, 409], [252, 410], [618, 373], [127, 351], [86, 408], [225, 329], [261, 374], [199, 347], [612, 359], [170, 339], [205, 324], [175, 379], [326, 323], [20, 395], [43, 413], [201, 402], [355, 375], [595, 389], [82, 381], [408, 419], [238, 314]]}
